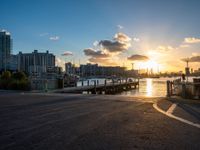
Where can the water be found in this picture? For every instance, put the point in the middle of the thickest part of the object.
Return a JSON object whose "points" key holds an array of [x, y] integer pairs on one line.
{"points": [[155, 87], [149, 87]]}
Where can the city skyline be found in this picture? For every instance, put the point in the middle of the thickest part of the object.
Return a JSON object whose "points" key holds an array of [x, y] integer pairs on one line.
{"points": [[154, 35]]}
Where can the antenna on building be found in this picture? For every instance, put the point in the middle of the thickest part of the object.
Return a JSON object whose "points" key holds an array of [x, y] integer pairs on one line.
{"points": [[187, 63], [79, 67], [187, 69]]}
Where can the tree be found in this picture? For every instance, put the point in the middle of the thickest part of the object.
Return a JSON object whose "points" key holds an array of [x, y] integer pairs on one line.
{"points": [[19, 76], [5, 79], [16, 81], [6, 75]]}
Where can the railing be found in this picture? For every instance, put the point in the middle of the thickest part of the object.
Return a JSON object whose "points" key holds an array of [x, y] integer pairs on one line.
{"points": [[106, 87], [96, 82]]}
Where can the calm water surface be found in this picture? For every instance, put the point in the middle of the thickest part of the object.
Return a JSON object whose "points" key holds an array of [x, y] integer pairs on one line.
{"points": [[150, 88]]}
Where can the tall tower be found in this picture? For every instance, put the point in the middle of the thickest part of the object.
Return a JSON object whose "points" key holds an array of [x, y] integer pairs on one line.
{"points": [[187, 69], [5, 49]]}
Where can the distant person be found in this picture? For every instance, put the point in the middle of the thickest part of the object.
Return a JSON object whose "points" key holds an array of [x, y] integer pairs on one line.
{"points": [[183, 77]]}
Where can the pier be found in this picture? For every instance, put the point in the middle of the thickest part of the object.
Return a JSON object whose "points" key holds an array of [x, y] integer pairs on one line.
{"points": [[184, 89], [106, 88]]}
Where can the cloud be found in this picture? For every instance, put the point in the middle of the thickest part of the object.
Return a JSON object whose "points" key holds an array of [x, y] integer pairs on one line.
{"points": [[121, 42], [165, 48], [195, 54], [103, 61], [54, 38], [184, 46], [114, 46], [191, 40], [106, 51], [185, 59], [67, 53], [137, 57], [120, 27], [96, 43], [94, 53], [60, 62], [192, 59], [121, 37], [195, 59]]}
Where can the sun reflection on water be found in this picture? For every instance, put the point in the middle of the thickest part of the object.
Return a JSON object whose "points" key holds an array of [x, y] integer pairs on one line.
{"points": [[149, 87]]}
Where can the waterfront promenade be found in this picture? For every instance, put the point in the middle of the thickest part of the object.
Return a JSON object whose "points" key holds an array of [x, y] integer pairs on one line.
{"points": [[88, 122]]}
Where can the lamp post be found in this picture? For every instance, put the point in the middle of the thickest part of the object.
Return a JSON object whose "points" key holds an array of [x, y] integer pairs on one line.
{"points": [[132, 66], [187, 69]]}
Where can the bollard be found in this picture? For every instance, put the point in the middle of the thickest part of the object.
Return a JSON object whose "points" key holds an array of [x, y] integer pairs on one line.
{"points": [[196, 88], [105, 82], [183, 93], [171, 89], [95, 90], [82, 83], [88, 82], [168, 89]]}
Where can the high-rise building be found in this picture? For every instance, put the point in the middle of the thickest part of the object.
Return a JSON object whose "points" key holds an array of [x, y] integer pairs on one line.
{"points": [[89, 69], [96, 70], [5, 49], [35, 62], [69, 68], [12, 65]]}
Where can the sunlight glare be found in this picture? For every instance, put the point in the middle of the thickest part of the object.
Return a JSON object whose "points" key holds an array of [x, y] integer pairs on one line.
{"points": [[149, 65], [149, 87]]}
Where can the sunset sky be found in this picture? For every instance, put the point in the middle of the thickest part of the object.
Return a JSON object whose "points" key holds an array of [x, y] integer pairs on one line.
{"points": [[151, 33]]}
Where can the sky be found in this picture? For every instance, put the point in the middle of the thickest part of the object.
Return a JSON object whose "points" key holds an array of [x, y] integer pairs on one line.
{"points": [[154, 34]]}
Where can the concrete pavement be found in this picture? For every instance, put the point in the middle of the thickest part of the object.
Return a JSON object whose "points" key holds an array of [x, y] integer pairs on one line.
{"points": [[63, 121]]}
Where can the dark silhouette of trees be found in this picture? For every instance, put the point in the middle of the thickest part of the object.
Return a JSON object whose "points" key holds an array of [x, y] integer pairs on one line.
{"points": [[14, 81]]}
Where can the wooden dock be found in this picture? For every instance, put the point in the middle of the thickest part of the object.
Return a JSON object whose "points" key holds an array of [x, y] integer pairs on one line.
{"points": [[106, 88]]}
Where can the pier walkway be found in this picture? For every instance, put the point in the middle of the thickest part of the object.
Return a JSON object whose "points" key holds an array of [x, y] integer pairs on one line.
{"points": [[106, 88]]}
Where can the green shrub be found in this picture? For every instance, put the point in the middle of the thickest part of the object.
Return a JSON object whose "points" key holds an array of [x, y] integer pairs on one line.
{"points": [[5, 80], [15, 81]]}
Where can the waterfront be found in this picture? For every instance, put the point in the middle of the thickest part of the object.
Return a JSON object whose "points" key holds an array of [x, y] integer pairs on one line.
{"points": [[148, 87]]}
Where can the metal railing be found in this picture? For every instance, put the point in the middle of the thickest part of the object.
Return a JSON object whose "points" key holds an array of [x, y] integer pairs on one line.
{"points": [[105, 82]]}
